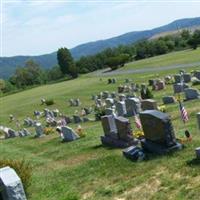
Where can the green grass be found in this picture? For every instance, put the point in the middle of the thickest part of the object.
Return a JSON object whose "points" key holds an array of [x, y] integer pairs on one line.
{"points": [[175, 58], [83, 169]]}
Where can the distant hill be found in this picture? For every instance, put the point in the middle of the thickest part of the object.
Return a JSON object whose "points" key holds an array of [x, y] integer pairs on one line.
{"points": [[9, 64]]}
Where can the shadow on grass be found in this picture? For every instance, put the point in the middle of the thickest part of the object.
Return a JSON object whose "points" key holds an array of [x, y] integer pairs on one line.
{"points": [[193, 162]]}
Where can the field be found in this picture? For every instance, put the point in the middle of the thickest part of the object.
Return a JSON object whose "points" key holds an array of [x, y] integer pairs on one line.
{"points": [[84, 169]]}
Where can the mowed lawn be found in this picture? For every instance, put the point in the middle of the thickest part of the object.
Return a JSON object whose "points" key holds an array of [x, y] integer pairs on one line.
{"points": [[175, 58], [84, 169]]}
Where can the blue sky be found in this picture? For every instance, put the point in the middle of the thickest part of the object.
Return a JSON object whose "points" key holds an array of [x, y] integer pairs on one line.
{"points": [[39, 27]]}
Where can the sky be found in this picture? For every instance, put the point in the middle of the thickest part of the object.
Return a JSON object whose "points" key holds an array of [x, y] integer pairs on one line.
{"points": [[35, 27]]}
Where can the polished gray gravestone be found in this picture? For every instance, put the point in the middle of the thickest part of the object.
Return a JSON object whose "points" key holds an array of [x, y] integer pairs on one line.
{"points": [[11, 187], [177, 78], [77, 119], [180, 87], [68, 134], [117, 132], [158, 132], [187, 77], [39, 130], [168, 99], [192, 93], [133, 106], [121, 108]]}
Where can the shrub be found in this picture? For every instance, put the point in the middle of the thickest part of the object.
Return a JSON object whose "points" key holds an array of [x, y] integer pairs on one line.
{"points": [[49, 102], [22, 168]]}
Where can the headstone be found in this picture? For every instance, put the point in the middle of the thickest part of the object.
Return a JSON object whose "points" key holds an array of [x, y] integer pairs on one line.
{"points": [[113, 95], [110, 111], [197, 74], [39, 130], [187, 77], [77, 102], [117, 132], [86, 119], [71, 102], [191, 93], [179, 87], [149, 104], [120, 89], [21, 133], [122, 97], [124, 129], [109, 102], [43, 101], [198, 120], [26, 132], [68, 134], [160, 85], [197, 150], [109, 126], [121, 108], [158, 132], [105, 95], [114, 80], [11, 187], [55, 113], [133, 106], [168, 99], [177, 78], [152, 82], [9, 133], [77, 119]]}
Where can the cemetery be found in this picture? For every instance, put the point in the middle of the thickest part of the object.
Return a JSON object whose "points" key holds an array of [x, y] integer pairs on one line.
{"points": [[105, 139]]}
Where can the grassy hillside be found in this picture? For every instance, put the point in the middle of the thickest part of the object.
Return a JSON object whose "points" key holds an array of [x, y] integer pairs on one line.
{"points": [[84, 169], [175, 58]]}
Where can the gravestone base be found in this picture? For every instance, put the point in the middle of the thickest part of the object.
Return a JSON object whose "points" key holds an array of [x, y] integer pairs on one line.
{"points": [[153, 147], [117, 143]]}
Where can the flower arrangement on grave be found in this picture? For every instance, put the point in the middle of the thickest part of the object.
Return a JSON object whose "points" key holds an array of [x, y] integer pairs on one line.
{"points": [[80, 131], [48, 130], [99, 112], [162, 108], [138, 134]]}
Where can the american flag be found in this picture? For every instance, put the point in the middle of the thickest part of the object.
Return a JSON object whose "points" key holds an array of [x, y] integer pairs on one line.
{"points": [[137, 122], [184, 114]]}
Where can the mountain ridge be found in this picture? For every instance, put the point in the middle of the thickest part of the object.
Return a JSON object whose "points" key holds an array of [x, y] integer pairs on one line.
{"points": [[9, 64]]}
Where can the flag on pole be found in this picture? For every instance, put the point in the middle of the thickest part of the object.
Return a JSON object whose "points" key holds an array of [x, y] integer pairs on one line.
{"points": [[137, 122], [184, 114]]}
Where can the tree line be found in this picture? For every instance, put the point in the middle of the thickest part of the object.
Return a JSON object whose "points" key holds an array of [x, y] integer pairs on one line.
{"points": [[33, 74]]}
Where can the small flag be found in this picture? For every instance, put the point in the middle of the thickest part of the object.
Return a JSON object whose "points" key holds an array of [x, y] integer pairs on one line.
{"points": [[137, 122], [184, 114]]}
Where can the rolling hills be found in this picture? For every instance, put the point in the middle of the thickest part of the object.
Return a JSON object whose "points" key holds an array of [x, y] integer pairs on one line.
{"points": [[9, 64]]}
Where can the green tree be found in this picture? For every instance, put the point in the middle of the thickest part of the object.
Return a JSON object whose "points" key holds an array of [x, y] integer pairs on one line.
{"points": [[194, 41], [66, 62]]}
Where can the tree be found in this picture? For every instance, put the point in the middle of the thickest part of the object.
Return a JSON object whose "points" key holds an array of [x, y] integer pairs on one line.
{"points": [[185, 34], [54, 73], [30, 74], [66, 62], [194, 41]]}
